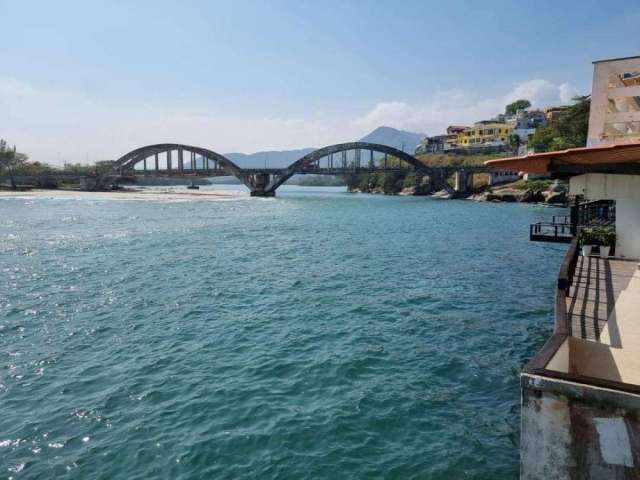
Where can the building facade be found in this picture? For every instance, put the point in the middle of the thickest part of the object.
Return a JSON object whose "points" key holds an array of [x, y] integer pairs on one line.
{"points": [[581, 391], [485, 134], [440, 143], [615, 102], [554, 113]]}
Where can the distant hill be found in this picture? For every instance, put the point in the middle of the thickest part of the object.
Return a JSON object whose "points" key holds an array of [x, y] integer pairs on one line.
{"points": [[270, 159], [400, 139]]}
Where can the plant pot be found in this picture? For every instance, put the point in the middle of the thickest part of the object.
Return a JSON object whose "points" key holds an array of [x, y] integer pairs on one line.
{"points": [[604, 251], [586, 250]]}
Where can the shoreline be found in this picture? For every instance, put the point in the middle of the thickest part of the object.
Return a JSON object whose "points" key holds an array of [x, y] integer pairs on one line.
{"points": [[124, 194]]}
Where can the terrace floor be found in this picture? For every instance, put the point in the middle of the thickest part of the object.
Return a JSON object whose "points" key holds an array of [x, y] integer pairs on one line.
{"points": [[604, 313]]}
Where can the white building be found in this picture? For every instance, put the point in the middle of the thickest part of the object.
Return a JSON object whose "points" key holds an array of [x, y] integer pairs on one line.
{"points": [[615, 102], [581, 391]]}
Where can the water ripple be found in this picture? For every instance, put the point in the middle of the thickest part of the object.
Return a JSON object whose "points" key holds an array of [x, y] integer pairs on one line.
{"points": [[308, 336]]}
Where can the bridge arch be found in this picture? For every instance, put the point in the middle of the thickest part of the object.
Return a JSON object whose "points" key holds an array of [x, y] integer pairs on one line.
{"points": [[263, 182], [305, 164], [210, 162]]}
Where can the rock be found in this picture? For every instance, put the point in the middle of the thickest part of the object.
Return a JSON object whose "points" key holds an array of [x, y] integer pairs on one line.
{"points": [[442, 194], [555, 197], [479, 197], [422, 189], [557, 186], [505, 195], [532, 196], [538, 196], [509, 197], [527, 196]]}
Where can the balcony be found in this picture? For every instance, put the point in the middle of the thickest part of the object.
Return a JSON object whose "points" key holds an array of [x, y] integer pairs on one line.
{"points": [[559, 230], [563, 228], [581, 391]]}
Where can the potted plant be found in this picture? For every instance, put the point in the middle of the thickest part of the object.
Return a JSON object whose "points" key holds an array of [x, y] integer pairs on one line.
{"points": [[587, 241], [606, 237]]}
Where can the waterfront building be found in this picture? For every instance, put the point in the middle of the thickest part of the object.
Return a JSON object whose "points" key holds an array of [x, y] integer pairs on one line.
{"points": [[440, 143], [581, 391], [553, 113], [455, 129], [615, 101], [485, 133], [523, 123], [435, 144]]}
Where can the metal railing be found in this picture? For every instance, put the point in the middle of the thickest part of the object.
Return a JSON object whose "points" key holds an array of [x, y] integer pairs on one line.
{"points": [[598, 212], [563, 228], [551, 232]]}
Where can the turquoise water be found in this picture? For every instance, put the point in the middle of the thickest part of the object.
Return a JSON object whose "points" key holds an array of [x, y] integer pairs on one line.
{"points": [[319, 334]]}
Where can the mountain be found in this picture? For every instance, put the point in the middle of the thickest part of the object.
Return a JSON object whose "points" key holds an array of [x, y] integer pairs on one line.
{"points": [[270, 159], [400, 139]]}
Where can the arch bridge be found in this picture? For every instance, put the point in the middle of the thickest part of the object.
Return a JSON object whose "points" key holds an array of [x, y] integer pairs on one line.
{"points": [[172, 159]]}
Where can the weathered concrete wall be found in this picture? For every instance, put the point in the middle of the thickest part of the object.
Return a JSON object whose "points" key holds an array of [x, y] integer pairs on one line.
{"points": [[573, 431]]}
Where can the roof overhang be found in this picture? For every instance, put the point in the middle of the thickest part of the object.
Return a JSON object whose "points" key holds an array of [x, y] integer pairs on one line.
{"points": [[619, 158]]}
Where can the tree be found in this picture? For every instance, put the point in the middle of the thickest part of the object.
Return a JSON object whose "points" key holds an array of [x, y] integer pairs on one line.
{"points": [[514, 141], [568, 131], [10, 160], [512, 108]]}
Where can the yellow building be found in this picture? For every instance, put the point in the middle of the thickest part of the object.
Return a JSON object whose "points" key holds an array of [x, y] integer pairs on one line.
{"points": [[484, 133]]}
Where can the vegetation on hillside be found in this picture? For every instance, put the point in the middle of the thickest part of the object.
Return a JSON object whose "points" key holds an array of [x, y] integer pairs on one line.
{"points": [[317, 180], [568, 131], [445, 159], [540, 184], [512, 108]]}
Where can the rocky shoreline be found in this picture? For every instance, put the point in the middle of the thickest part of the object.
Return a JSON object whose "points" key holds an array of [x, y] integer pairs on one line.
{"points": [[555, 194]]}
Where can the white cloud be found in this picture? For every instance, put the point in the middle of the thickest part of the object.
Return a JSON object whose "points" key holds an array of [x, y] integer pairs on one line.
{"points": [[57, 126], [461, 108], [53, 126]]}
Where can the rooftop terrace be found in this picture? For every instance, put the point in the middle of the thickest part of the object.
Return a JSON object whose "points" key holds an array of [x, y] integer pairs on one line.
{"points": [[603, 312], [597, 332]]}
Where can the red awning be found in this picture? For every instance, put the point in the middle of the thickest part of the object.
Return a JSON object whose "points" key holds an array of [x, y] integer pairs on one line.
{"points": [[587, 156]]}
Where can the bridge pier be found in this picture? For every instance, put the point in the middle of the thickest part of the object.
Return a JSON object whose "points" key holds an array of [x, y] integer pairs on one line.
{"points": [[438, 180], [262, 193], [461, 181], [258, 184]]}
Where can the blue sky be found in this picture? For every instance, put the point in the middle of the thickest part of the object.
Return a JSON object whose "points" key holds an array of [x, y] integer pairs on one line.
{"points": [[90, 80]]}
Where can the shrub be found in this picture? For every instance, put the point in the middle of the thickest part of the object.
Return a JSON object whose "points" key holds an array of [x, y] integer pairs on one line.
{"points": [[598, 236]]}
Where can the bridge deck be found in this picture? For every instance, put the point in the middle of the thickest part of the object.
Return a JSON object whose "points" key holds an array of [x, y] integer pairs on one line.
{"points": [[304, 171]]}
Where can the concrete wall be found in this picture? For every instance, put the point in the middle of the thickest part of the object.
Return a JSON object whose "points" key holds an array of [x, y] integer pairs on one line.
{"points": [[625, 190], [502, 177], [573, 431], [628, 235], [600, 95]]}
